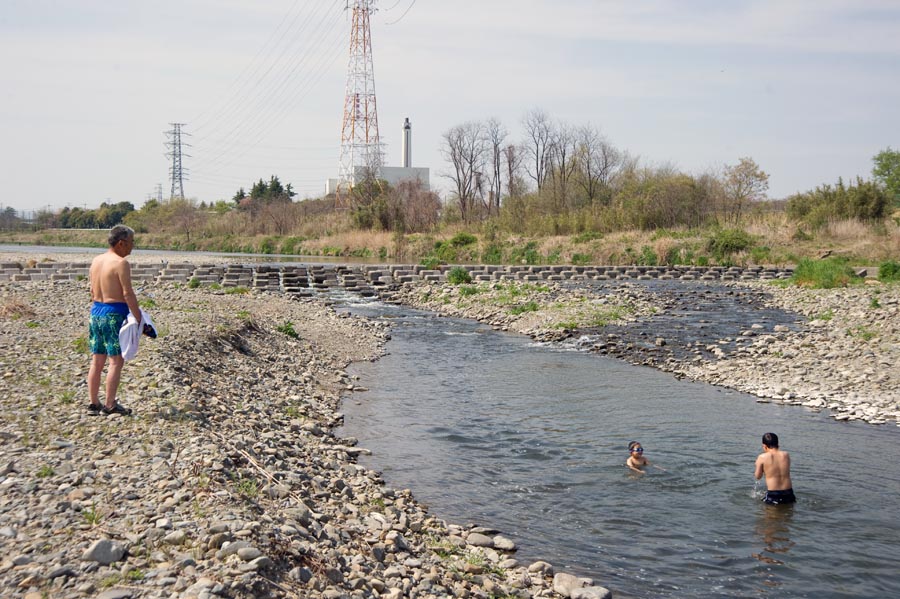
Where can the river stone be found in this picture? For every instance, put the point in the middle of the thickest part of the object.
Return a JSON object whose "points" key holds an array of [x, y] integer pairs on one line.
{"points": [[542, 568], [175, 538], [104, 552], [504, 544], [116, 594], [476, 539], [231, 549], [61, 571], [248, 554], [591, 593], [565, 584]]}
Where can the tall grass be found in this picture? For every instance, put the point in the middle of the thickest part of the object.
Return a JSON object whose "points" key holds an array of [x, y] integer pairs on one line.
{"points": [[824, 274]]}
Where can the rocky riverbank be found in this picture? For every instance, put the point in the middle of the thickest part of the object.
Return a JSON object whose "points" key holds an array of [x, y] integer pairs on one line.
{"points": [[228, 480], [842, 355]]}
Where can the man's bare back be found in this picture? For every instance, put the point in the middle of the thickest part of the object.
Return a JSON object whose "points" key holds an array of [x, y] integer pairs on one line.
{"points": [[776, 465], [110, 276]]}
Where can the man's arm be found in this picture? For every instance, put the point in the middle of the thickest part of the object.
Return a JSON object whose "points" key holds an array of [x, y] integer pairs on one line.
{"points": [[759, 468], [128, 290]]}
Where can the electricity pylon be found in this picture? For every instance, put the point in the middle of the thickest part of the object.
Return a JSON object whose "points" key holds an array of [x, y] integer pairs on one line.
{"points": [[361, 152], [177, 173]]}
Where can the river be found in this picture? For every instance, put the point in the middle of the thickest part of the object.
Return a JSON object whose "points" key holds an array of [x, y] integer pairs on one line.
{"points": [[492, 429]]}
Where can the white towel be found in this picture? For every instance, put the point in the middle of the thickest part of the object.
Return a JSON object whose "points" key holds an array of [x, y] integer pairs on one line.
{"points": [[130, 334]]}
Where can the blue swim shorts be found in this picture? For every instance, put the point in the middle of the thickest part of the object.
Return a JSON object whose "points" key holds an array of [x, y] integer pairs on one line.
{"points": [[103, 330]]}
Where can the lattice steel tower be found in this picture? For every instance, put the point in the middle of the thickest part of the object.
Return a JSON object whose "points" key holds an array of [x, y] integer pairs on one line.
{"points": [[361, 150], [177, 173]]}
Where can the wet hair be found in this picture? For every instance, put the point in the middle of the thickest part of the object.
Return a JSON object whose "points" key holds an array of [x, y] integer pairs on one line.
{"points": [[632, 445], [770, 440], [119, 233]]}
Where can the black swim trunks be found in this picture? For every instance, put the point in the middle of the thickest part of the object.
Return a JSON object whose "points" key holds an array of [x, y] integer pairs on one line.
{"points": [[780, 497]]}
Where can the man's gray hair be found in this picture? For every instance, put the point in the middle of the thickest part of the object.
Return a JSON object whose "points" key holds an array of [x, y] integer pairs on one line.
{"points": [[120, 233]]}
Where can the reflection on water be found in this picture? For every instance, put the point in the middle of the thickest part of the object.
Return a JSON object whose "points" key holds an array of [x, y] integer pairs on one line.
{"points": [[773, 527], [489, 428]]}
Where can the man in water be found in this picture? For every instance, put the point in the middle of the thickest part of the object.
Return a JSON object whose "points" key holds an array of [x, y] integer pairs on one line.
{"points": [[776, 466], [114, 298]]}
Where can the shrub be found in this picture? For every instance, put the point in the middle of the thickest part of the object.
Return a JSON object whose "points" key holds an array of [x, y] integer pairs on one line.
{"points": [[526, 307], [865, 200], [492, 254], [288, 329], [267, 246], [728, 241], [581, 259], [462, 239], [430, 262], [445, 251], [458, 276], [823, 274], [527, 254], [889, 271], [587, 236], [648, 257], [761, 254], [467, 290], [193, 283]]}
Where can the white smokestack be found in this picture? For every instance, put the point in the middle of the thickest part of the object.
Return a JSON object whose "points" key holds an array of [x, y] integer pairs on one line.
{"points": [[407, 144]]}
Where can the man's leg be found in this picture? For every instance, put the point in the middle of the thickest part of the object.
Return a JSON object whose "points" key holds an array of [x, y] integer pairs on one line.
{"points": [[93, 378], [112, 380]]}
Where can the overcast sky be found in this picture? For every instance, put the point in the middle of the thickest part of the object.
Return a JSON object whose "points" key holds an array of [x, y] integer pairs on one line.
{"points": [[809, 89]]}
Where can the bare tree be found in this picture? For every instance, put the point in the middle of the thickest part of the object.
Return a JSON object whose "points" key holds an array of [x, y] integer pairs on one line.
{"points": [[464, 147], [513, 157], [744, 182], [597, 162], [563, 164], [539, 134], [183, 215], [496, 135], [416, 207], [282, 216]]}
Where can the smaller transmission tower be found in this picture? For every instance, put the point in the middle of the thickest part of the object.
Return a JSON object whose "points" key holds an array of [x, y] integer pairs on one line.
{"points": [[360, 143], [177, 173]]}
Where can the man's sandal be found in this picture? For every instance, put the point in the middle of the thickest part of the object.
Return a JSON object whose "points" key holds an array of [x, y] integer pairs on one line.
{"points": [[94, 408], [117, 409]]}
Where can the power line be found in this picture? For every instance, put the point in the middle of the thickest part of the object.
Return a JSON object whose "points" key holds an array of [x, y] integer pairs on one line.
{"points": [[404, 13], [269, 109], [253, 93], [243, 88]]}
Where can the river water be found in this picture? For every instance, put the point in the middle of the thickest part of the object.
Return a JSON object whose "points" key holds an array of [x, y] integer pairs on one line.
{"points": [[492, 429]]}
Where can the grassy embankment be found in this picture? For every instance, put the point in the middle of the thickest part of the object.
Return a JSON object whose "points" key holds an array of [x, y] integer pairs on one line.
{"points": [[767, 239]]}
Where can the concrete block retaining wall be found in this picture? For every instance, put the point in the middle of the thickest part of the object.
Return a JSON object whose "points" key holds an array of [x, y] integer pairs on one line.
{"points": [[367, 279]]}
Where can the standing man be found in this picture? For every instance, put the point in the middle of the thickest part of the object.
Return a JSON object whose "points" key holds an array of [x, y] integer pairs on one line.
{"points": [[776, 466], [113, 297]]}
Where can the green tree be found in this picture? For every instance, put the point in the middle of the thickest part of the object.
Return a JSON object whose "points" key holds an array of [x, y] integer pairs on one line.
{"points": [[887, 172]]}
